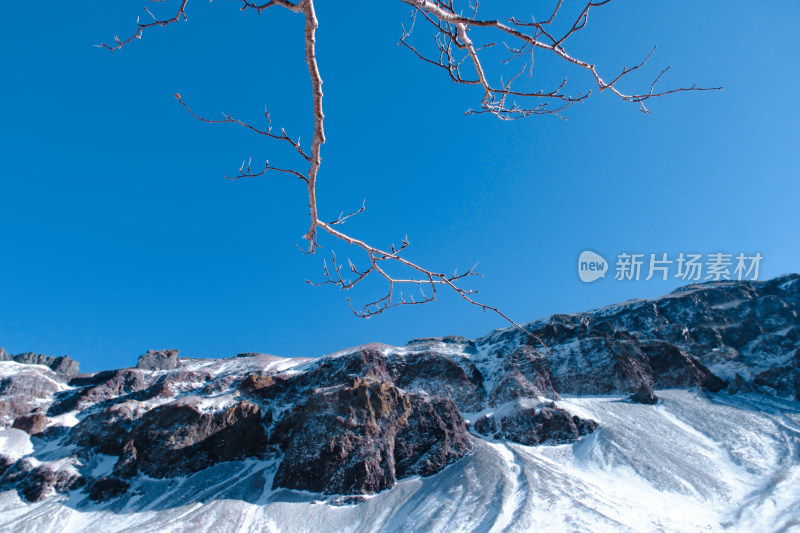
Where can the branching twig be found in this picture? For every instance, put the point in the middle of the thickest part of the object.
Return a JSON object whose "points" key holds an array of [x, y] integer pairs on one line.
{"points": [[227, 119], [452, 36], [181, 14], [455, 48]]}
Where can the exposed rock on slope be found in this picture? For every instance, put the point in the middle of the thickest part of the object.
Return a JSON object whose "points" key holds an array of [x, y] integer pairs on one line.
{"points": [[24, 389], [362, 438], [179, 438], [161, 360], [535, 424], [63, 365], [700, 335]]}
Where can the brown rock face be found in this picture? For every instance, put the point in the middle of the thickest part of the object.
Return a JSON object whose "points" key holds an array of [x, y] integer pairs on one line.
{"points": [[545, 424], [31, 424], [362, 438], [22, 393], [439, 375], [105, 431], [265, 387], [527, 374], [178, 438], [434, 437]]}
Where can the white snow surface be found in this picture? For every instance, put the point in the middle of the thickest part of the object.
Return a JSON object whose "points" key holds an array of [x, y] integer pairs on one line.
{"points": [[690, 463], [15, 443]]}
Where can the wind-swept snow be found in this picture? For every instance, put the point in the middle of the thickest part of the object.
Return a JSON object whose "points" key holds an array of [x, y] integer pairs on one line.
{"points": [[691, 463]]}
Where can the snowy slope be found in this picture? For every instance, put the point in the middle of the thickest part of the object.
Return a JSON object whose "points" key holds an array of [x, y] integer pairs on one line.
{"points": [[728, 463]]}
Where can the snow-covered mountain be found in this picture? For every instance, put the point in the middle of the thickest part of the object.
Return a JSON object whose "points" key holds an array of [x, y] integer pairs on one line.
{"points": [[674, 414]]}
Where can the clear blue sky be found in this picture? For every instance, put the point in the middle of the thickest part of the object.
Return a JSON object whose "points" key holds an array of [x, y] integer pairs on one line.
{"points": [[119, 232]]}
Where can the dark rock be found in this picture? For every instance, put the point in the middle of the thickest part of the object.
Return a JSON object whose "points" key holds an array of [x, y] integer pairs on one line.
{"points": [[699, 336], [485, 426], [105, 431], [527, 374], [112, 386], [368, 361], [30, 384], [31, 424], [267, 387], [64, 364], [739, 386], [83, 380], [5, 463], [218, 385], [644, 395], [435, 436], [178, 439], [439, 375], [349, 439], [674, 368], [544, 424], [4, 355], [778, 381], [42, 479], [598, 364], [173, 383], [357, 422], [36, 483], [107, 488], [158, 360]]}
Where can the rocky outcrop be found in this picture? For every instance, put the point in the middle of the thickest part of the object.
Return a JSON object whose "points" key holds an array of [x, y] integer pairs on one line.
{"points": [[179, 438], [114, 386], [672, 368], [434, 436], [524, 372], [34, 483], [174, 383], [645, 395], [699, 336], [25, 391], [32, 424], [362, 438], [533, 425], [64, 365], [431, 373], [107, 488], [158, 360], [105, 431]]}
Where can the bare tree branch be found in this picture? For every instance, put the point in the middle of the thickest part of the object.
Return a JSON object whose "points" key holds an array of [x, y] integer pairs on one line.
{"points": [[455, 48], [181, 14], [227, 119], [453, 33]]}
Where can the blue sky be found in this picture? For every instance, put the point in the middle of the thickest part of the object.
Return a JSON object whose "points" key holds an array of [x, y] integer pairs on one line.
{"points": [[121, 234]]}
